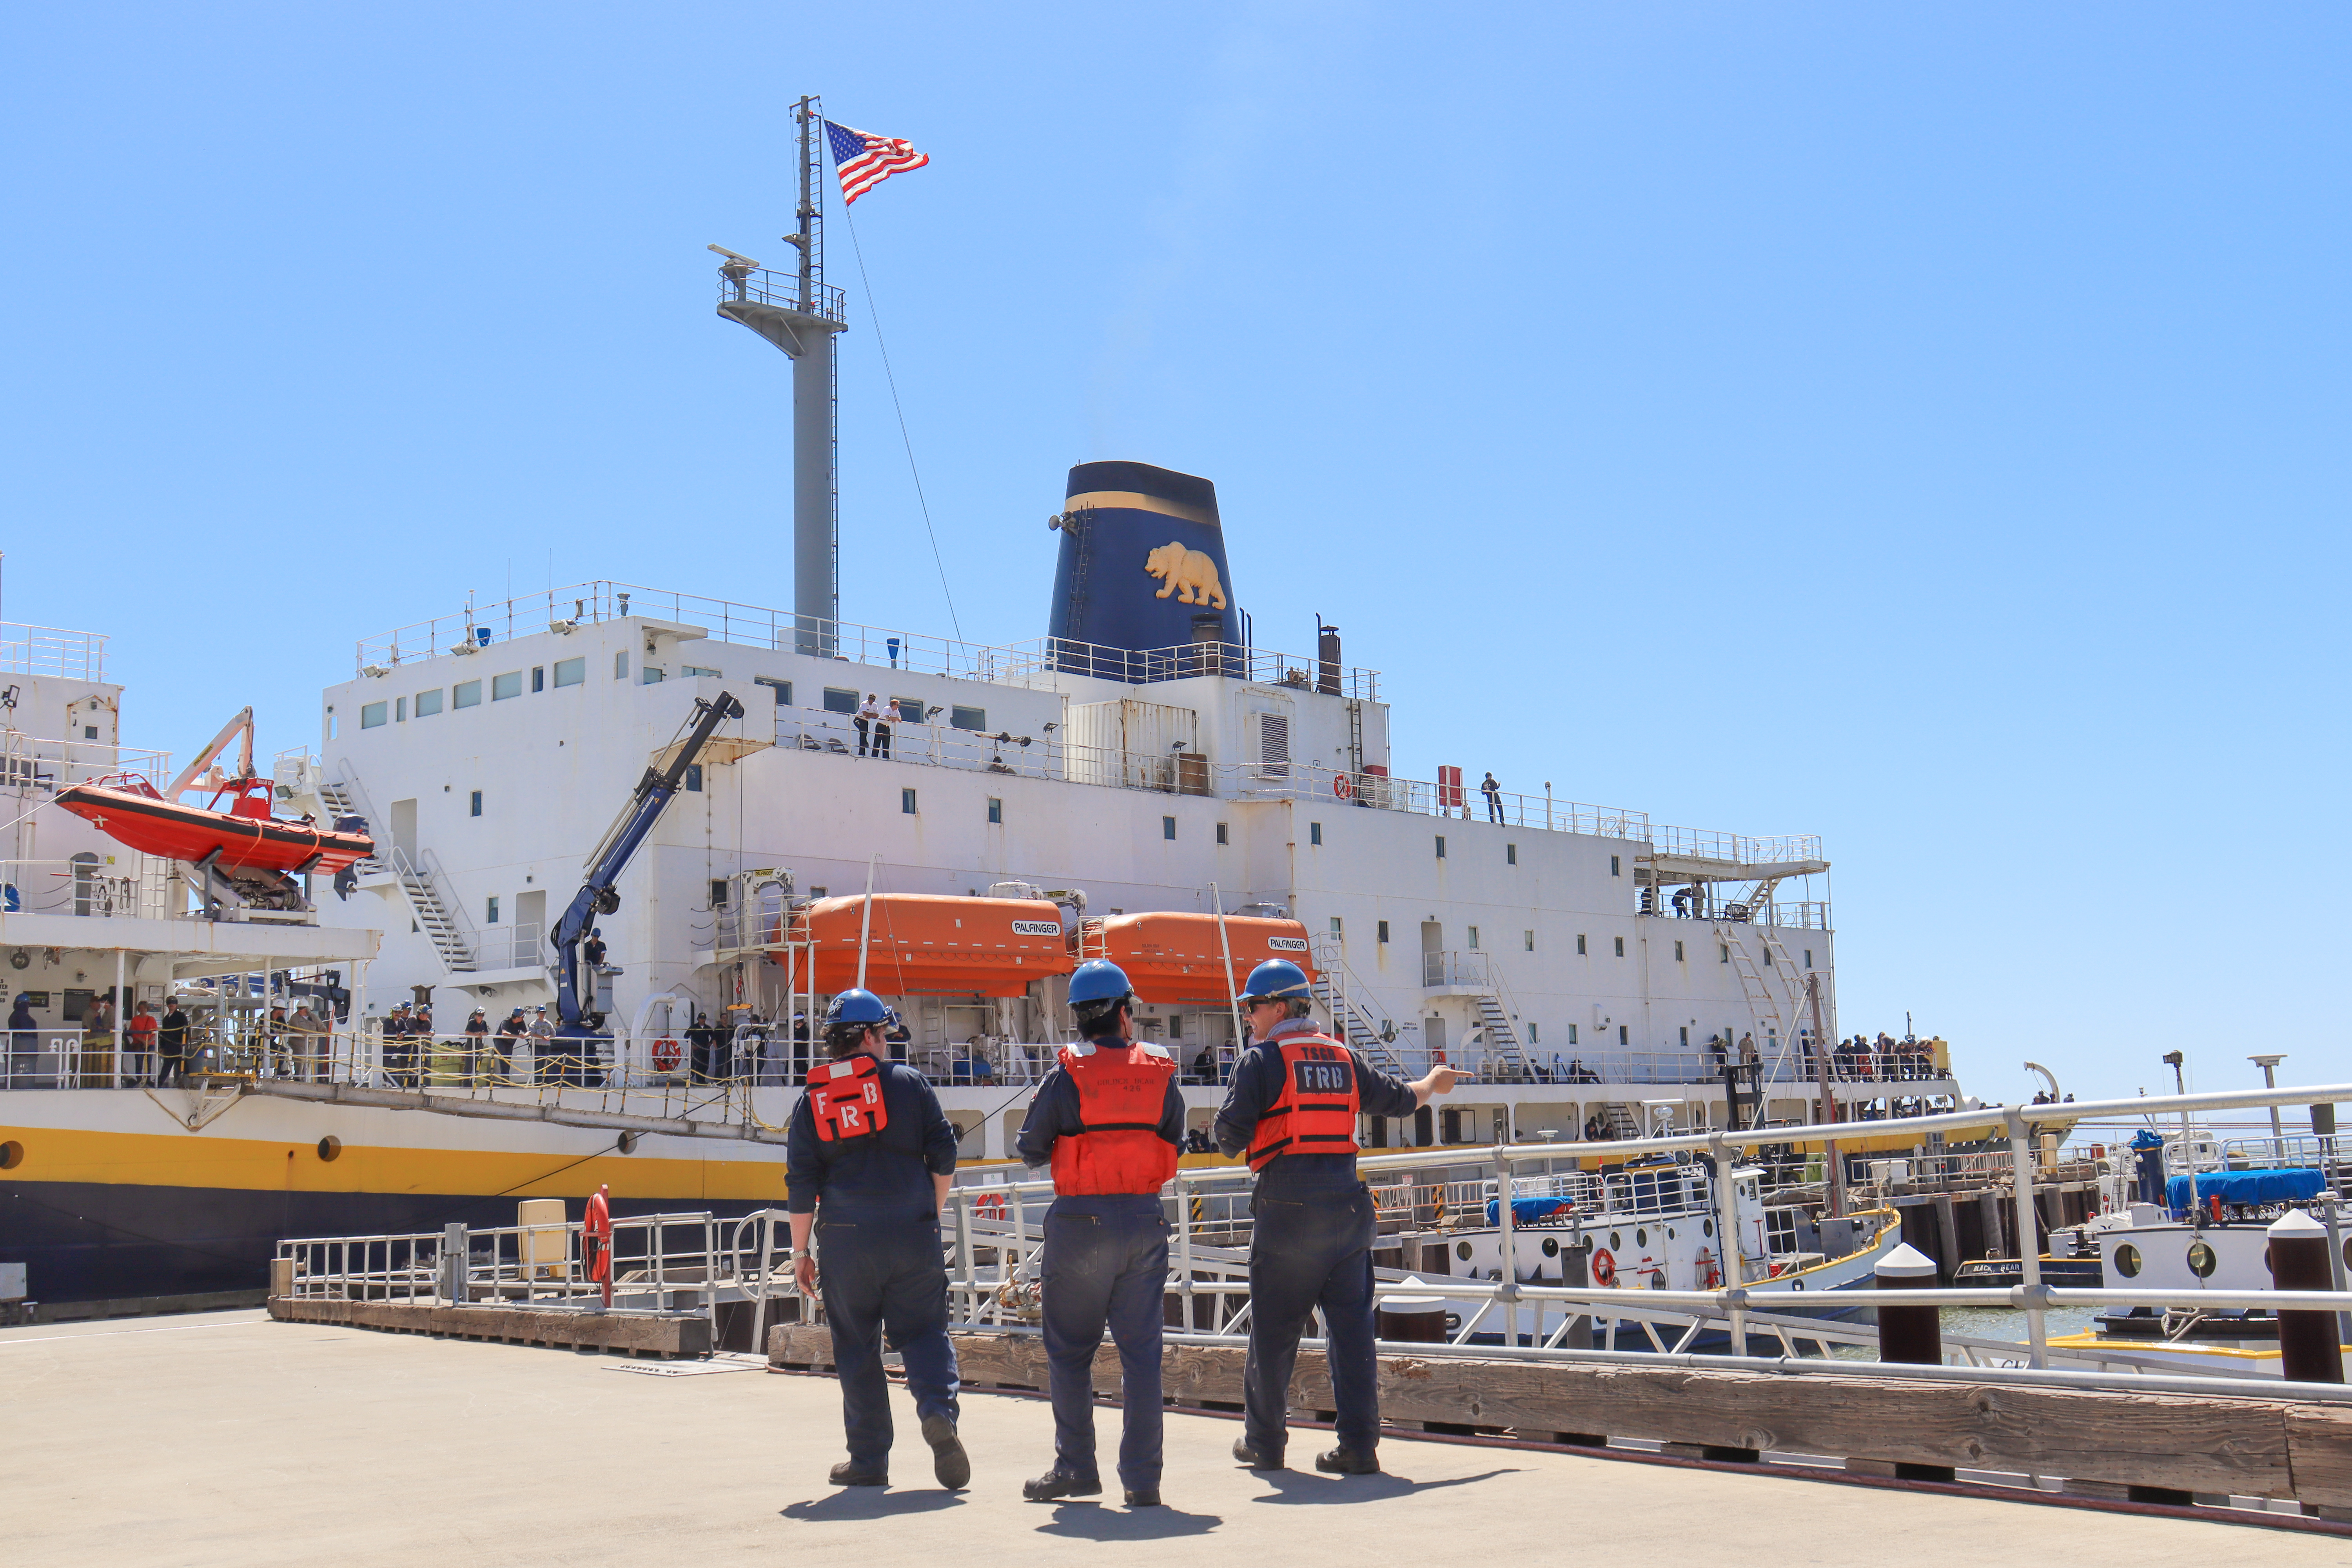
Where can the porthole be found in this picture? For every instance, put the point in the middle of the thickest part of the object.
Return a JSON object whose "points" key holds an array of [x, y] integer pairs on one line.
{"points": [[626, 1143], [1670, 1233], [1616, 1242], [329, 1147], [12, 1154], [1706, 1227], [2347, 1252], [1641, 1237], [2201, 1261], [2127, 1261], [1461, 1250], [1551, 1247]]}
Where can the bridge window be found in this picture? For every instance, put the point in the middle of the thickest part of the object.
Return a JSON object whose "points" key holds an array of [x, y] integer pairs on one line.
{"points": [[1221, 834], [466, 694], [1441, 847], [428, 703], [906, 802], [781, 690], [571, 671], [962, 717], [1167, 827], [503, 687], [373, 715], [1620, 946], [995, 812], [840, 699]]}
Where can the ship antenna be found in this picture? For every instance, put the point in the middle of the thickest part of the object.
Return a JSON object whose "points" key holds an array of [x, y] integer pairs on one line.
{"points": [[801, 316]]}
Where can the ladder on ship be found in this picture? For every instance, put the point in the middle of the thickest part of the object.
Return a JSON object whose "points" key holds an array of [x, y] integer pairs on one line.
{"points": [[1781, 1017], [449, 937], [1358, 1019]]}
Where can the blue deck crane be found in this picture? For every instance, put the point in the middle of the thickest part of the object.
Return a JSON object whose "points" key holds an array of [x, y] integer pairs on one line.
{"points": [[596, 895]]}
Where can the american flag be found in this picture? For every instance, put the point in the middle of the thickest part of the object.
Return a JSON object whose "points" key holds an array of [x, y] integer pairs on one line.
{"points": [[866, 161]]}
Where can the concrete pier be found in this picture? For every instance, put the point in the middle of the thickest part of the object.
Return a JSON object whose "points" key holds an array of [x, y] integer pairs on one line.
{"points": [[231, 1440]]}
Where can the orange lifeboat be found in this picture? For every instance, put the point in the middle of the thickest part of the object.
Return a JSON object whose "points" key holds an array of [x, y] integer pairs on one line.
{"points": [[1177, 958], [932, 944]]}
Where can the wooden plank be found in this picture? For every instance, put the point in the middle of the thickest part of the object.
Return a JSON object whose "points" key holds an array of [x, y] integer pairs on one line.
{"points": [[663, 1336], [2319, 1449], [2175, 1441]]}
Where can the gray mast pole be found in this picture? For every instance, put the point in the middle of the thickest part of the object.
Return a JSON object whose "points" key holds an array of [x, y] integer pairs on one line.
{"points": [[801, 317]]}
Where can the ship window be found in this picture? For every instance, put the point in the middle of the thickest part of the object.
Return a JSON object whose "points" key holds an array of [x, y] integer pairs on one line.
{"points": [[1684, 1030], [717, 894], [1579, 944], [621, 664], [781, 690], [1314, 833], [651, 675], [1723, 952], [571, 671], [1572, 1034], [539, 677], [1808, 958], [1221, 834], [90, 732], [1384, 930], [491, 909], [1336, 930], [995, 812], [1622, 1038], [1510, 854], [1620, 946], [688, 671], [2202, 1259], [474, 804], [966, 718], [840, 699], [428, 703], [1678, 952], [1167, 827], [2127, 1261], [1613, 867], [1441, 847], [906, 802], [905, 709], [466, 694], [1473, 938], [374, 715], [693, 777], [505, 686], [400, 710], [1528, 940]]}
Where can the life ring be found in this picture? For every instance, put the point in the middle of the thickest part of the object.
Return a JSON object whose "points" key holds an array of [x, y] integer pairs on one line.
{"points": [[989, 1206], [1343, 786], [1604, 1268], [665, 1056], [596, 1238]]}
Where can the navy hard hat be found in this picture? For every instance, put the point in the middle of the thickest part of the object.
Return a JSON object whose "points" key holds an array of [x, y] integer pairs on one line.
{"points": [[1098, 980], [857, 1007], [1277, 980]]}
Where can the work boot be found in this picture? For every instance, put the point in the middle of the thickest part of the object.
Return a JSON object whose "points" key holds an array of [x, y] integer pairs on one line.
{"points": [[850, 1473], [1340, 1462], [1257, 1460], [1143, 1497], [948, 1461], [1059, 1483]]}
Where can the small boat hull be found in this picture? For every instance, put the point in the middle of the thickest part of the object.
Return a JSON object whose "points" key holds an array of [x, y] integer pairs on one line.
{"points": [[154, 825]]}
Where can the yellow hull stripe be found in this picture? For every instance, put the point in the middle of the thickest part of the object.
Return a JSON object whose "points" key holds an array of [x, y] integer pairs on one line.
{"points": [[138, 1159]]}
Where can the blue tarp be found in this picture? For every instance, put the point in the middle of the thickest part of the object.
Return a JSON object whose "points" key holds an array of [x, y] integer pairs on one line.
{"points": [[2247, 1187], [1529, 1211]]}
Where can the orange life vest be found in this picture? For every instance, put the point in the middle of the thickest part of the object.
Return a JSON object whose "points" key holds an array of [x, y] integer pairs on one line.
{"points": [[1121, 1094], [1316, 1112], [846, 1096]]}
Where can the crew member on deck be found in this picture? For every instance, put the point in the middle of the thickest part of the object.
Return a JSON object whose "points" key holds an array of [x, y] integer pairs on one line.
{"points": [[1296, 1094], [867, 1163], [1111, 1120]]}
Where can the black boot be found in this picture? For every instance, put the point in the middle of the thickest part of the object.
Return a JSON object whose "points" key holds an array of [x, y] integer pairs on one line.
{"points": [[1143, 1497], [850, 1473], [1255, 1459], [948, 1461], [1059, 1483], [1341, 1462]]}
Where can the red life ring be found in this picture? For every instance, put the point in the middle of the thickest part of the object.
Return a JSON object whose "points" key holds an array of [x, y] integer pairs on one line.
{"points": [[596, 1237], [665, 1056], [1604, 1268], [989, 1206], [1343, 786]]}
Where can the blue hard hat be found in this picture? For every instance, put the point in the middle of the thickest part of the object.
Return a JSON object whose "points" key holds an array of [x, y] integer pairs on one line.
{"points": [[1098, 980], [855, 1006], [1277, 980]]}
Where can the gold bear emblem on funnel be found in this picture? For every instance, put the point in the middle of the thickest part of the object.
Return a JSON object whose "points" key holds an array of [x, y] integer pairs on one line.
{"points": [[1189, 574]]}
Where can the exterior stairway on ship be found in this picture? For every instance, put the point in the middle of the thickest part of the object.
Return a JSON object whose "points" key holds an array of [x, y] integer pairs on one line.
{"points": [[342, 797]]}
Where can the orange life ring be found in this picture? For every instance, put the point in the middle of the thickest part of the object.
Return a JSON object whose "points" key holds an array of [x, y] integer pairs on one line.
{"points": [[665, 1056], [596, 1237], [1343, 786], [989, 1206], [1604, 1268]]}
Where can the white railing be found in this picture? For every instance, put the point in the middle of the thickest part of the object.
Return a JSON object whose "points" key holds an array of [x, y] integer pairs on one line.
{"points": [[51, 650], [135, 887], [1705, 844]]}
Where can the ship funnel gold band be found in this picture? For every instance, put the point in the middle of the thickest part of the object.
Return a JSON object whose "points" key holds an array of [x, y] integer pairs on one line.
{"points": [[1134, 501]]}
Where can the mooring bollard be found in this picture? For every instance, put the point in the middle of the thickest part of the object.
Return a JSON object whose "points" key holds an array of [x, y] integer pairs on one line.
{"points": [[1912, 1336], [2309, 1351]]}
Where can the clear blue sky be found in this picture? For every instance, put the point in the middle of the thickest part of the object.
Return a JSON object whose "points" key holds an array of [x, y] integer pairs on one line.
{"points": [[1922, 426]]}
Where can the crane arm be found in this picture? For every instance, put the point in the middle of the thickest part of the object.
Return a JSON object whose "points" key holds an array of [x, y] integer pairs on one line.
{"points": [[620, 844]]}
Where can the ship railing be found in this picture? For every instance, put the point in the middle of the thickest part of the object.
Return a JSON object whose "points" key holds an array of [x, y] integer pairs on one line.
{"points": [[36, 763], [52, 651], [1788, 914], [1618, 1065], [992, 1231], [128, 884], [1740, 848], [666, 1263], [783, 291]]}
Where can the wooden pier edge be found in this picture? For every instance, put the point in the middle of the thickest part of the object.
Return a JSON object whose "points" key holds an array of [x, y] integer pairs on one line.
{"points": [[683, 1335], [2251, 1448]]}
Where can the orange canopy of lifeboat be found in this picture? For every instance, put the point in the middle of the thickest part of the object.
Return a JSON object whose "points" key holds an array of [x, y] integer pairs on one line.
{"points": [[931, 944], [1177, 958]]}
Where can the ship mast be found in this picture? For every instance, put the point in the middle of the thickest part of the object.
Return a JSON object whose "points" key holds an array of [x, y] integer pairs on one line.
{"points": [[801, 314]]}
